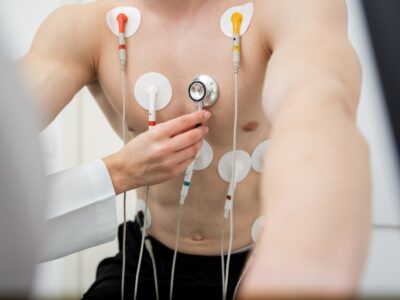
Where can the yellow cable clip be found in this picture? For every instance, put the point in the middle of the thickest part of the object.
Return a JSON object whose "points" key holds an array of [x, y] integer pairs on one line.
{"points": [[237, 19]]}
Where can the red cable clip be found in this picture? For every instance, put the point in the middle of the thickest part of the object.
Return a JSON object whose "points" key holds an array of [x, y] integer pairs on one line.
{"points": [[122, 20]]}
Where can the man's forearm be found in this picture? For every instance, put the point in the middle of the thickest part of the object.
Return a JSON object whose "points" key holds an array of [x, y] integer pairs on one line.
{"points": [[316, 199]]}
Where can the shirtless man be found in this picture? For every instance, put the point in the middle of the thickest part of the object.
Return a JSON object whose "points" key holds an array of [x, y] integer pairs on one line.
{"points": [[299, 68]]}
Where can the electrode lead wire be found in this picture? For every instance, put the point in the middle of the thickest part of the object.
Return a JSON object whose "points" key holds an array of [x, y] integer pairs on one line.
{"points": [[247, 267], [223, 257], [123, 92], [233, 181], [153, 261], [177, 240], [188, 174], [141, 246]]}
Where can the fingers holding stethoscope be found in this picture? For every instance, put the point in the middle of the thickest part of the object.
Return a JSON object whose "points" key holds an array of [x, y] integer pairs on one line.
{"points": [[182, 124], [188, 146], [189, 153], [188, 138], [154, 156]]}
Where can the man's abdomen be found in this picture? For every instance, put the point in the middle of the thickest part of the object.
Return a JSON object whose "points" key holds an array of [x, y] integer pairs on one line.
{"points": [[202, 218]]}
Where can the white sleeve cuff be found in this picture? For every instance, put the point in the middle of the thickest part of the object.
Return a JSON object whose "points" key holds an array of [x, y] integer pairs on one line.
{"points": [[78, 187], [82, 210], [100, 179]]}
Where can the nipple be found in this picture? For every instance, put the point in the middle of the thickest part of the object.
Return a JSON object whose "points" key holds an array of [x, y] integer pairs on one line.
{"points": [[250, 127]]}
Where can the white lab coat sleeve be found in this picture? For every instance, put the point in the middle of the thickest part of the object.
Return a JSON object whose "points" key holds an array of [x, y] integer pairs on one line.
{"points": [[81, 210]]}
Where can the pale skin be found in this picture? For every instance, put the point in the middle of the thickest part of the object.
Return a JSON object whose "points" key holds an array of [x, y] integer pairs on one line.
{"points": [[297, 66]]}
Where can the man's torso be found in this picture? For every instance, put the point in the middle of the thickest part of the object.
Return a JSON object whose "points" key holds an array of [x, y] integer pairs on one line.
{"points": [[181, 47]]}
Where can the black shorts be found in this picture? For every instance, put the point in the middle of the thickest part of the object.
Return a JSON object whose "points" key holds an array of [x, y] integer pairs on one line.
{"points": [[196, 277]]}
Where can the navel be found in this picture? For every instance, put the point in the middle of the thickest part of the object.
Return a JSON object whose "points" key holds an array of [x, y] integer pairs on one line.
{"points": [[197, 237]]}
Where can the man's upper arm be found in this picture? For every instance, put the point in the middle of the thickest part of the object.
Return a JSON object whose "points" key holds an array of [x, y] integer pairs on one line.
{"points": [[310, 52], [62, 58]]}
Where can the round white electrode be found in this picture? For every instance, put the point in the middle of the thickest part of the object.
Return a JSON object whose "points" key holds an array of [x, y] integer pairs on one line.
{"points": [[141, 206], [133, 24], [257, 158], [256, 228], [164, 90], [243, 165], [226, 23], [204, 158]]}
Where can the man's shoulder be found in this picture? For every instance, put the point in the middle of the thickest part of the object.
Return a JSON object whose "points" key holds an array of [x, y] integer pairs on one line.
{"points": [[74, 32], [283, 7], [282, 19], [93, 12]]}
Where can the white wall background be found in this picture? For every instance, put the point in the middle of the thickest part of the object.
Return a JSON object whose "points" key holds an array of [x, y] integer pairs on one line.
{"points": [[81, 134]]}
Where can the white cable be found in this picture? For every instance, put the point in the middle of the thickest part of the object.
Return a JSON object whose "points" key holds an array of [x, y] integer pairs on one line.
{"points": [[233, 181], [223, 257], [240, 280], [228, 260], [178, 234], [122, 57], [184, 192], [141, 245], [123, 92], [123, 251], [238, 284], [152, 118], [149, 248]]}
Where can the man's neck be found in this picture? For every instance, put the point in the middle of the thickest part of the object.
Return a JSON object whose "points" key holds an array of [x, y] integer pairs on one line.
{"points": [[176, 8]]}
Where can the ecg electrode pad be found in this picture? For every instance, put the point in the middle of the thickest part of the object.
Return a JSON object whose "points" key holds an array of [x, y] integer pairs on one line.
{"points": [[164, 90], [257, 158], [133, 24], [204, 158], [226, 22], [256, 228], [243, 166]]}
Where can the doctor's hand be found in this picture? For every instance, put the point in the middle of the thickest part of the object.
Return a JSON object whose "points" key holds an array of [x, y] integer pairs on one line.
{"points": [[159, 154]]}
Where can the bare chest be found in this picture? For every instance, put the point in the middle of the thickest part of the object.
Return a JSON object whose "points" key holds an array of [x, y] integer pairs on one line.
{"points": [[182, 50]]}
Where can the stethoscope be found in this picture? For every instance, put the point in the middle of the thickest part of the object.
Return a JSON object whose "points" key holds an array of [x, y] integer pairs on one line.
{"points": [[203, 91]]}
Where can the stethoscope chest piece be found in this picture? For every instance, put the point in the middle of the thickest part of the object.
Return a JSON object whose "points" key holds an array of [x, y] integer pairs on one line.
{"points": [[203, 91]]}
